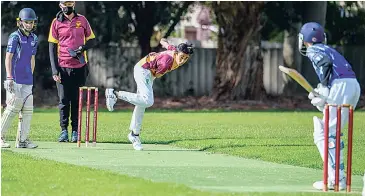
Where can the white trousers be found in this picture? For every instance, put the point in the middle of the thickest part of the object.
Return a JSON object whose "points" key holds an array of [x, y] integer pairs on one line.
{"points": [[20, 102], [343, 91], [142, 99]]}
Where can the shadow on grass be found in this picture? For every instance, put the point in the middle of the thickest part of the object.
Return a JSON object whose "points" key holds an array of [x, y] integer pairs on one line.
{"points": [[156, 110], [170, 142]]}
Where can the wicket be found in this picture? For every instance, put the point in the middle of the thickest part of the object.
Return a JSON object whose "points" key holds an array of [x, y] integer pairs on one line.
{"points": [[95, 122], [338, 143]]}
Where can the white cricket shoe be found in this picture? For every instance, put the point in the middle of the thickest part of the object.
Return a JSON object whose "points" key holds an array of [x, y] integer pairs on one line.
{"points": [[111, 99], [26, 144], [3, 143], [319, 185], [135, 141]]}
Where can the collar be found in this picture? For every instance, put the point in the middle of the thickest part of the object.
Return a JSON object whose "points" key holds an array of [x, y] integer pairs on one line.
{"points": [[61, 17], [22, 34]]}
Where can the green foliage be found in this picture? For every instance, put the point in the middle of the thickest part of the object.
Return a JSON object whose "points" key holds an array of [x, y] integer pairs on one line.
{"points": [[345, 25], [131, 21], [340, 29], [280, 16]]}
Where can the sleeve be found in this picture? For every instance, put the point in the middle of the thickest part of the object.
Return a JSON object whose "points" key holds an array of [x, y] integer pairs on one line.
{"points": [[324, 64], [53, 58], [35, 47], [12, 43], [163, 64], [53, 34], [89, 34], [171, 47]]}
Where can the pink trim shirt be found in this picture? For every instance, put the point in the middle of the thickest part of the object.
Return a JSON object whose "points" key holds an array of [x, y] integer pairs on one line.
{"points": [[70, 34], [160, 63]]}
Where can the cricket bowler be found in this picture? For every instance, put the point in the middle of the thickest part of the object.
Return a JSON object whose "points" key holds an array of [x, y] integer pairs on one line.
{"points": [[152, 66]]}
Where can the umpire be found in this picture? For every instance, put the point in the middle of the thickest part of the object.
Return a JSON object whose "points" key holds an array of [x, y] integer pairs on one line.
{"points": [[69, 38]]}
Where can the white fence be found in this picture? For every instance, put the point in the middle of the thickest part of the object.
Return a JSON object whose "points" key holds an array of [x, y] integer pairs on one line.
{"points": [[194, 78]]}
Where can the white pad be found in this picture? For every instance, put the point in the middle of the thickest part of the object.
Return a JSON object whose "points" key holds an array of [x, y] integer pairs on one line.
{"points": [[26, 113], [14, 105], [318, 135], [137, 117]]}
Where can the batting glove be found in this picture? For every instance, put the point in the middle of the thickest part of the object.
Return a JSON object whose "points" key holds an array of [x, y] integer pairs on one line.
{"points": [[9, 85]]}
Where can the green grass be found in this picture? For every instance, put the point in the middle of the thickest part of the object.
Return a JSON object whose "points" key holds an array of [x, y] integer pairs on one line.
{"points": [[25, 175], [280, 137]]}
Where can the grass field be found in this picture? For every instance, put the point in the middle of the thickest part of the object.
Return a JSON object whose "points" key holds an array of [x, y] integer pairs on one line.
{"points": [[185, 154]]}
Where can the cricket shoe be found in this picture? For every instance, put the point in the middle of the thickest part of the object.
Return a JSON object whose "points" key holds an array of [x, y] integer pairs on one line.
{"points": [[4, 144], [111, 99], [331, 186], [26, 144], [74, 136], [63, 136], [135, 141]]}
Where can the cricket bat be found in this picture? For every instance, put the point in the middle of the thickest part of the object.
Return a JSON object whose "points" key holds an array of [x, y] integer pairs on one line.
{"points": [[297, 77], [300, 80]]}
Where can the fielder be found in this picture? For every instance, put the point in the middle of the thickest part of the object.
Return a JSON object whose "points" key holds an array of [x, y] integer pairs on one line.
{"points": [[338, 85], [19, 64], [154, 65]]}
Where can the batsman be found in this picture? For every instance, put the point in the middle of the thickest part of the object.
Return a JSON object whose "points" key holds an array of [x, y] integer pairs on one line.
{"points": [[19, 65], [337, 85]]}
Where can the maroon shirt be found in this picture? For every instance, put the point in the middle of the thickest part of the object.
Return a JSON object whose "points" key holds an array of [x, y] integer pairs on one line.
{"points": [[70, 34], [160, 63]]}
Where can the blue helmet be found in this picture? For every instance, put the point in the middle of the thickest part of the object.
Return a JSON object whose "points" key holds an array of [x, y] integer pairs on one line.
{"points": [[311, 32], [27, 14]]}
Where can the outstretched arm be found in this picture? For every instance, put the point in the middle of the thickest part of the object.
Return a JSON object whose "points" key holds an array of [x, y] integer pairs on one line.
{"points": [[165, 44]]}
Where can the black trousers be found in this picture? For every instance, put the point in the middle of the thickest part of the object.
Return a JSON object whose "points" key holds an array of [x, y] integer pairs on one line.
{"points": [[68, 94]]}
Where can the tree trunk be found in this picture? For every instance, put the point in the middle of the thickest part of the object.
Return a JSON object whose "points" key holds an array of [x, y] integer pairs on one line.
{"points": [[291, 56], [239, 73], [144, 44], [311, 12]]}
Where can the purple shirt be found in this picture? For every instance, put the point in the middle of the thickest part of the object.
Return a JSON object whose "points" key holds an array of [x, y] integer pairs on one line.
{"points": [[341, 67], [70, 34], [23, 48]]}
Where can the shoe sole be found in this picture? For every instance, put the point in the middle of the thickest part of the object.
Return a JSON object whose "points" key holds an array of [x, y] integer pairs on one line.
{"points": [[133, 146]]}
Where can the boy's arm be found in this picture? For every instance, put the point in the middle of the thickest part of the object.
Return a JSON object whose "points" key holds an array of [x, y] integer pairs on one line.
{"points": [[324, 64], [165, 44], [32, 63], [8, 66], [9, 82]]}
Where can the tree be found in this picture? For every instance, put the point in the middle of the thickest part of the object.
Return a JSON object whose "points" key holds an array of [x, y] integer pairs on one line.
{"points": [[294, 14], [345, 23], [130, 20], [239, 62]]}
